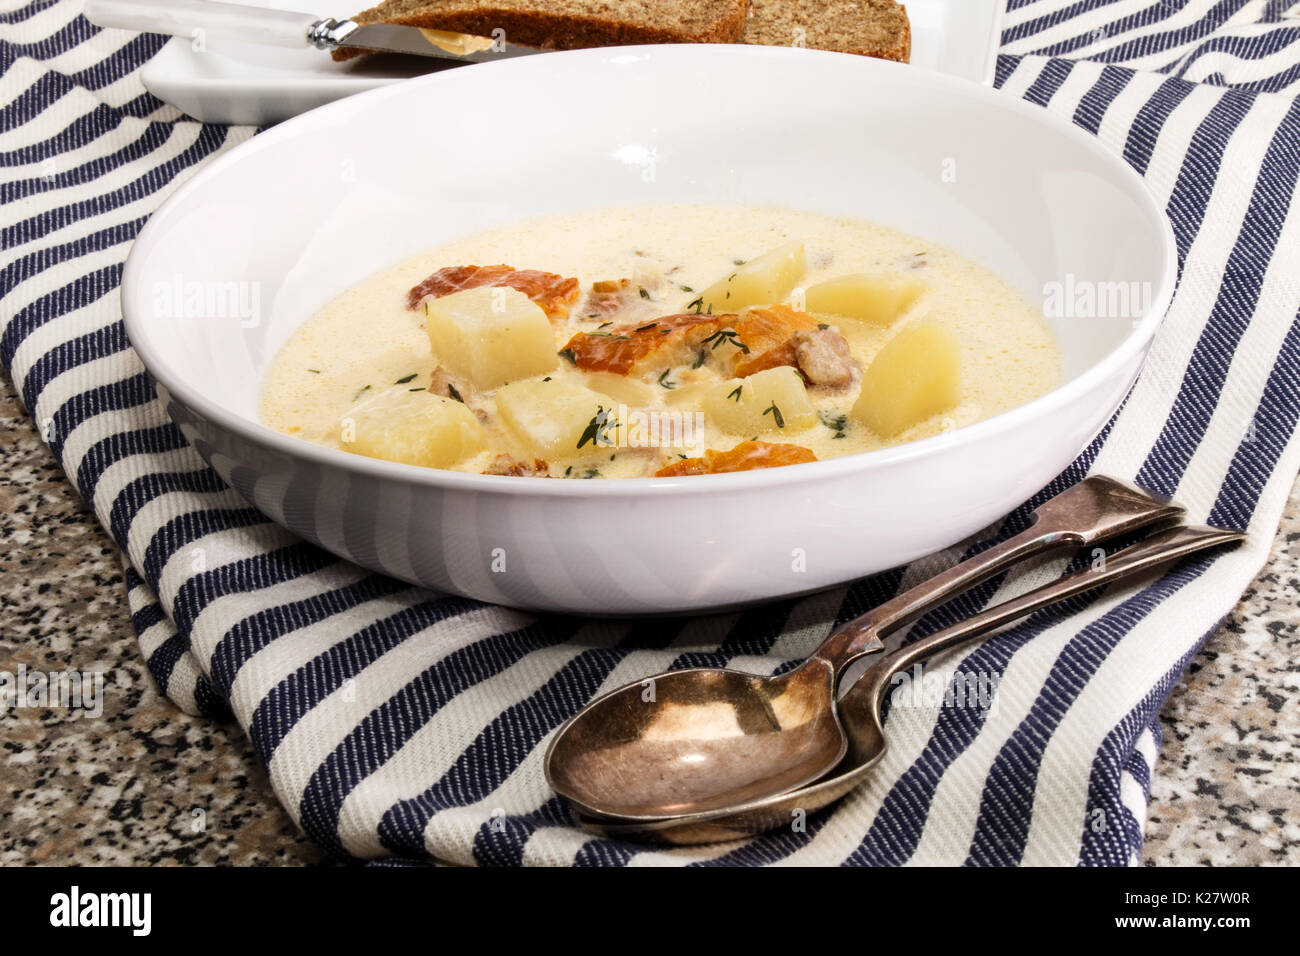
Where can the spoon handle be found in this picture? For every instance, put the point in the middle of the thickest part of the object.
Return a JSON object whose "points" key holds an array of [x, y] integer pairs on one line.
{"points": [[1160, 548], [1094, 510]]}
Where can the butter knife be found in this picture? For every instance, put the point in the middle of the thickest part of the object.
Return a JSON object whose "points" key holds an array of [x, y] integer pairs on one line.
{"points": [[210, 19]]}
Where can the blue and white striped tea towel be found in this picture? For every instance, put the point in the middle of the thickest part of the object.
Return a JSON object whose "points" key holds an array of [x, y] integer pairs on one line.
{"points": [[397, 723]]}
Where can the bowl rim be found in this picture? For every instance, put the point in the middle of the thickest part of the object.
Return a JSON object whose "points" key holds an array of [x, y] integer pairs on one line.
{"points": [[1132, 345]]}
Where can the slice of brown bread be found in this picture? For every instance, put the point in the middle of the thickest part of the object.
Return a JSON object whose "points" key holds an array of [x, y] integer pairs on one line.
{"points": [[569, 24], [870, 27]]}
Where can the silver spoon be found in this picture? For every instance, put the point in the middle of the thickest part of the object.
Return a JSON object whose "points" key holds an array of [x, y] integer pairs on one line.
{"points": [[706, 739], [860, 709]]}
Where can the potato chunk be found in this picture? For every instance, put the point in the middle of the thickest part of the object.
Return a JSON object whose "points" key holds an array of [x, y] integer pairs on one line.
{"points": [[630, 391], [771, 400], [558, 419], [490, 336], [878, 299], [915, 376], [414, 428], [762, 281]]}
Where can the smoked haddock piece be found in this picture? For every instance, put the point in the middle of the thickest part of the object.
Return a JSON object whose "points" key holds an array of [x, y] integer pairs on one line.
{"points": [[658, 343], [768, 333], [753, 342], [568, 24], [554, 293], [746, 456]]}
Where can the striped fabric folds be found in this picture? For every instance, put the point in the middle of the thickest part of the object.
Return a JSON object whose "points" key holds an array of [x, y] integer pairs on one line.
{"points": [[403, 725]]}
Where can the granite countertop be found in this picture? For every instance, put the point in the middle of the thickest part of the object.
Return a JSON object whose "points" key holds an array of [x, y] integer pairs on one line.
{"points": [[149, 784]]}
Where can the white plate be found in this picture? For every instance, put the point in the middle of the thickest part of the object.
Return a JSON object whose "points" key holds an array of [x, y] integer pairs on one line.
{"points": [[260, 85]]}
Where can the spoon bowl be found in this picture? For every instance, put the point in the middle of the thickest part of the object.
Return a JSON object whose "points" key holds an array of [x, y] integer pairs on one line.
{"points": [[673, 744]]}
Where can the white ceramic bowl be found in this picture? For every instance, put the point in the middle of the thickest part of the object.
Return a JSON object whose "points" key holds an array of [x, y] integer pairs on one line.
{"points": [[312, 206]]}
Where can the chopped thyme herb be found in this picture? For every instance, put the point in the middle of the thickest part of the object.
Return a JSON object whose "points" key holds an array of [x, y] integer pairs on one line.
{"points": [[685, 288], [776, 415], [604, 325], [644, 293], [592, 473], [665, 384], [451, 390], [568, 471], [596, 429], [420, 389], [699, 359], [835, 422], [735, 395], [696, 305], [647, 328], [407, 378], [568, 354], [361, 391], [547, 379], [738, 262], [730, 336], [823, 326], [314, 371]]}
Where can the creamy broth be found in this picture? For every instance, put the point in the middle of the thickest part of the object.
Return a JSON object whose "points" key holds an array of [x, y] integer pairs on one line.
{"points": [[367, 344]]}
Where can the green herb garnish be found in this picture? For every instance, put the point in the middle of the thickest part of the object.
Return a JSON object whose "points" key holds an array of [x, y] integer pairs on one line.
{"points": [[451, 390], [597, 428], [735, 395], [361, 391], [568, 354], [663, 375], [835, 422], [730, 336], [407, 378], [776, 415]]}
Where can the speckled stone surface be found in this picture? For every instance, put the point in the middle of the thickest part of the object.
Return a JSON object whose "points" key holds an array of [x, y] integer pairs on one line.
{"points": [[1227, 787], [145, 783]]}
